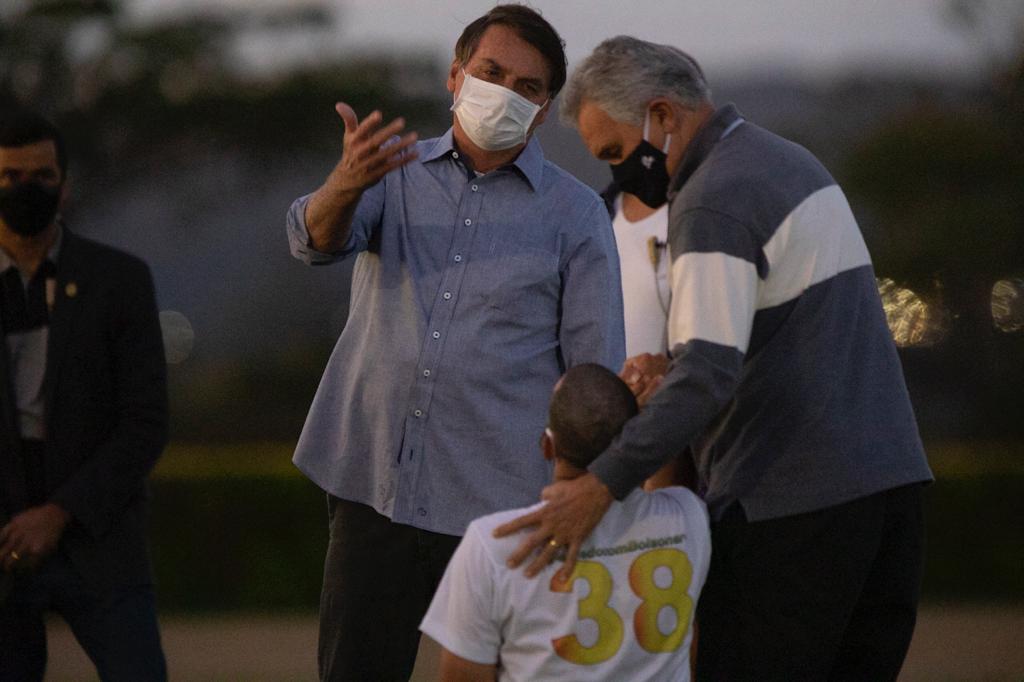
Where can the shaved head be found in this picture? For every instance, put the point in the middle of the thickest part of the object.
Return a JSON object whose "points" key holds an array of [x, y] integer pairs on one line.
{"points": [[589, 407]]}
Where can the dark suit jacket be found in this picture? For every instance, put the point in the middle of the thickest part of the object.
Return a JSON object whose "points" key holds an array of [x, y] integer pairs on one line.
{"points": [[106, 411]]}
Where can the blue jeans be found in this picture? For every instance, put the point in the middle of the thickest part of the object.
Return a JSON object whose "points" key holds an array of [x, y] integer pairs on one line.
{"points": [[118, 630]]}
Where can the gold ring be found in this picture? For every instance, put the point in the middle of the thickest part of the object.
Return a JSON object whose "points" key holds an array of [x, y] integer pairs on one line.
{"points": [[15, 556], [552, 543]]}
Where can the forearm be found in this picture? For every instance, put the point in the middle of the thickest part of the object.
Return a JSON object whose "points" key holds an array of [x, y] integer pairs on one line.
{"points": [[700, 383], [329, 215]]}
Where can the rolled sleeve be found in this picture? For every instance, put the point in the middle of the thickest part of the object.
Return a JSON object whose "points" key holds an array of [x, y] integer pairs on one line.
{"points": [[365, 221]]}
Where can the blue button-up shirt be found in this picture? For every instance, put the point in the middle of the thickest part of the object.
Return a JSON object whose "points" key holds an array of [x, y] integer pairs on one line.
{"points": [[471, 294]]}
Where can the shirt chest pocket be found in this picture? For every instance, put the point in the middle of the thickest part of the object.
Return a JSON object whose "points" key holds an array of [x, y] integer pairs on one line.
{"points": [[519, 279]]}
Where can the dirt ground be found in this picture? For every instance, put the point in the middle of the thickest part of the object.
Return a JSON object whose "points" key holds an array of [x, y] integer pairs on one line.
{"points": [[953, 643]]}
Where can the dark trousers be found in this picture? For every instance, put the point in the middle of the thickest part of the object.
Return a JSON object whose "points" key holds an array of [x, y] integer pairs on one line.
{"points": [[379, 578], [828, 595], [118, 630]]}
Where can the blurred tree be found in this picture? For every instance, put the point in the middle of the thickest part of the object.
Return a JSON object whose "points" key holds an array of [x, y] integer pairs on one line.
{"points": [[130, 92], [944, 189], [190, 132]]}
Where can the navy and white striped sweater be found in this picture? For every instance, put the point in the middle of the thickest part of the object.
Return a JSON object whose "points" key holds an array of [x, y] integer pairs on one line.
{"points": [[784, 375]]}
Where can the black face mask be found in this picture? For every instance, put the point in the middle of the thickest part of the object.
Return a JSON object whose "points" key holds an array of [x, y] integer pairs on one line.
{"points": [[29, 207], [643, 173]]}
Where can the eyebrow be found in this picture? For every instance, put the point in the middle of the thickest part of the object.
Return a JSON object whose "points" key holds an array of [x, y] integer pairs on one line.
{"points": [[610, 151], [538, 82]]}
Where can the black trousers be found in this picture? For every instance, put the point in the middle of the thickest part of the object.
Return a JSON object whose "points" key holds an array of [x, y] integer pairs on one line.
{"points": [[828, 595], [379, 578], [117, 630]]}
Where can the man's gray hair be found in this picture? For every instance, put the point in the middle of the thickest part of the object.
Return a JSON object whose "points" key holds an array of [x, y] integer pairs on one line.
{"points": [[624, 74]]}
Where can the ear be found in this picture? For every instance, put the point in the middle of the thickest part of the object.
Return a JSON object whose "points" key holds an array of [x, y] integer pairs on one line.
{"points": [[665, 115], [453, 73], [547, 446], [541, 115]]}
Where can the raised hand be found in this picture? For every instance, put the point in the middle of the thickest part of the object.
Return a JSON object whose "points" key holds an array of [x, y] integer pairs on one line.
{"points": [[370, 152], [366, 157]]}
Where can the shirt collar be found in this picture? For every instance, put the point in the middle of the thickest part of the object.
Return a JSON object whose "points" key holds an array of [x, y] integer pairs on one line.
{"points": [[51, 255], [529, 163], [723, 121]]}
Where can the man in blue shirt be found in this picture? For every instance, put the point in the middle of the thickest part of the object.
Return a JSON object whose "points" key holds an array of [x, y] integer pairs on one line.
{"points": [[483, 272]]}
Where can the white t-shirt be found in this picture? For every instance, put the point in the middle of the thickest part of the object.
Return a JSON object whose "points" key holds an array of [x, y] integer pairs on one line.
{"points": [[626, 615], [645, 289]]}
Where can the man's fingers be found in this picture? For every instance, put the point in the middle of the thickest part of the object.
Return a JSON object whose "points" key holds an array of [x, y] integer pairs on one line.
{"points": [[517, 524], [369, 149], [348, 115], [648, 392], [7, 541], [387, 154], [571, 554], [7, 555], [382, 135], [367, 126], [397, 161], [546, 556], [527, 547]]}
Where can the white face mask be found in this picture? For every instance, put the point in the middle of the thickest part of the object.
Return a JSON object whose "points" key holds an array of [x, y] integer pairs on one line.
{"points": [[492, 116]]}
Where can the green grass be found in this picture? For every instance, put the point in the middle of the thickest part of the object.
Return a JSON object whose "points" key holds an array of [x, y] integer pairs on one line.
{"points": [[190, 461], [238, 527]]}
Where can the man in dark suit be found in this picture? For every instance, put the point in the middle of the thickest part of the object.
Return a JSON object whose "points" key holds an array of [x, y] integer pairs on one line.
{"points": [[83, 419]]}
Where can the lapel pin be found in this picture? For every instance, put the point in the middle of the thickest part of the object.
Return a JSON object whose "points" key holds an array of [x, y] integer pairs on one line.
{"points": [[71, 289]]}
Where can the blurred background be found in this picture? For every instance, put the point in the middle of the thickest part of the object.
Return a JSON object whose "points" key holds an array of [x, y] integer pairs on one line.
{"points": [[193, 124]]}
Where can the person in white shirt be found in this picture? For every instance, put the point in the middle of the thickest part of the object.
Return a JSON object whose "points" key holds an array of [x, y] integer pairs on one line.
{"points": [[641, 238], [626, 612]]}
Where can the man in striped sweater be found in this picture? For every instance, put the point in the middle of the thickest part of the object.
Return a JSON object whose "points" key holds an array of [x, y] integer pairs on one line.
{"points": [[783, 377]]}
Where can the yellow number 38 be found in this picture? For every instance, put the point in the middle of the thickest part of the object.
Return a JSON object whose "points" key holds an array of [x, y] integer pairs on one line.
{"points": [[645, 620]]}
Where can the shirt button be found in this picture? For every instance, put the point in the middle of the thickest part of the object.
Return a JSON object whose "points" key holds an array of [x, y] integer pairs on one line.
{"points": [[447, 295], [468, 221], [475, 187], [417, 413], [455, 155], [458, 258], [436, 335], [421, 511], [426, 372]]}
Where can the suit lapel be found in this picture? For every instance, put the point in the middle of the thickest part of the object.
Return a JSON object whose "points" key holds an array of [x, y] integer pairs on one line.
{"points": [[66, 304]]}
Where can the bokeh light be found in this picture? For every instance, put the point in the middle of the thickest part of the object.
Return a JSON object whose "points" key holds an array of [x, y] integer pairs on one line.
{"points": [[912, 321], [178, 334], [1008, 304]]}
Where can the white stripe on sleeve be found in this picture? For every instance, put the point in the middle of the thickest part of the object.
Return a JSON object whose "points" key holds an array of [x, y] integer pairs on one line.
{"points": [[714, 296], [818, 240]]}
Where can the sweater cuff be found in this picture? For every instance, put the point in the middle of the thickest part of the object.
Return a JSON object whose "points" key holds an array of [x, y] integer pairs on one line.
{"points": [[615, 472]]}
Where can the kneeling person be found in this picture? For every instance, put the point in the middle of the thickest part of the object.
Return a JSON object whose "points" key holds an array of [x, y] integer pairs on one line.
{"points": [[626, 611]]}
